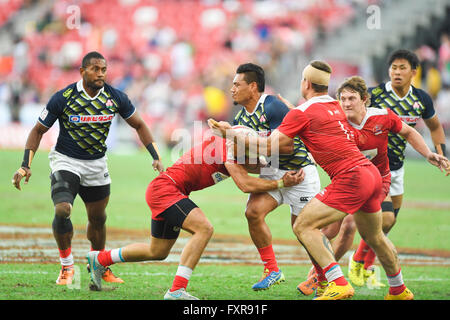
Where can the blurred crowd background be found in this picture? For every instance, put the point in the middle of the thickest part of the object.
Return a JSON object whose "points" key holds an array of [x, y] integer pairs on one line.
{"points": [[176, 58]]}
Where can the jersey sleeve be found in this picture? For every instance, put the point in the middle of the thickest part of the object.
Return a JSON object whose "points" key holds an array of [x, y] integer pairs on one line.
{"points": [[425, 98], [294, 123], [125, 107], [276, 110], [374, 93], [52, 110], [395, 123]]}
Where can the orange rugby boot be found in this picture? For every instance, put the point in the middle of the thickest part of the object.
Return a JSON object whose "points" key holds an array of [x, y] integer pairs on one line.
{"points": [[65, 275], [109, 276], [308, 286]]}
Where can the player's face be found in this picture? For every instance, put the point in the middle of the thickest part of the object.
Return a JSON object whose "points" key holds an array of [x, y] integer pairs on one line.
{"points": [[401, 73], [94, 74], [352, 104], [241, 91]]}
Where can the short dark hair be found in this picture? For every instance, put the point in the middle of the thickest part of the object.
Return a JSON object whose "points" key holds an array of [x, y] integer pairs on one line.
{"points": [[253, 73], [91, 55], [410, 56]]}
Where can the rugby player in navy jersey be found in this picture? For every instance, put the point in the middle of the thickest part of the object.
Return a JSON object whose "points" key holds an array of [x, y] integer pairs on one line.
{"points": [[78, 163], [410, 104], [264, 113]]}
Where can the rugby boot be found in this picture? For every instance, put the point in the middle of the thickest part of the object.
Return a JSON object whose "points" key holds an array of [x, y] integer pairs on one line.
{"points": [[405, 295], [335, 292], [65, 275], [308, 286], [180, 294], [355, 272], [269, 280]]}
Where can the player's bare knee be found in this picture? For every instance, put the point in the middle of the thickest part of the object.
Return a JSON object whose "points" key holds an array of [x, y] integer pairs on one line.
{"points": [[207, 230], [63, 209], [253, 215], [97, 219]]}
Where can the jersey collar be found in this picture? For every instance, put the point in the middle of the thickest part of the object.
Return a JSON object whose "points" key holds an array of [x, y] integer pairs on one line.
{"points": [[389, 88], [260, 101], [80, 88]]}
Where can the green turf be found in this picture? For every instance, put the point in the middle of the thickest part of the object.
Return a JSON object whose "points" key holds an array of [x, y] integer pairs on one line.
{"points": [[224, 205], [230, 282]]}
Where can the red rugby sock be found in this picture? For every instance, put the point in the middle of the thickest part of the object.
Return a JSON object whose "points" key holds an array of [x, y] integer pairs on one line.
{"points": [[369, 259], [334, 273], [268, 258], [361, 252]]}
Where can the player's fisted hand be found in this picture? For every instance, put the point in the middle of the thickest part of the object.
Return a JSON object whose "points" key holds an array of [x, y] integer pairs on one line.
{"points": [[287, 103], [292, 178], [157, 165], [19, 174]]}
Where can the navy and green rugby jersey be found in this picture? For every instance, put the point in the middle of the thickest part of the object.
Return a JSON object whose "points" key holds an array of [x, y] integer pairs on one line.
{"points": [[415, 105], [84, 122], [266, 117]]}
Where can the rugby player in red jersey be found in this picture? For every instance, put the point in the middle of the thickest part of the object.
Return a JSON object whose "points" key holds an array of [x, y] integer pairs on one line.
{"points": [[168, 198], [355, 182], [373, 126]]}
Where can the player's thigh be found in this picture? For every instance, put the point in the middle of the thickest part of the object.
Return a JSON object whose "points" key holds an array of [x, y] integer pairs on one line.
{"points": [[64, 186], [196, 222], [96, 200], [368, 224], [160, 247], [260, 204], [316, 215]]}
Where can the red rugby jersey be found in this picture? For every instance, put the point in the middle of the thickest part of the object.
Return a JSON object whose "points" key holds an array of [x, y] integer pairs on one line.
{"points": [[322, 125], [200, 167], [373, 136]]}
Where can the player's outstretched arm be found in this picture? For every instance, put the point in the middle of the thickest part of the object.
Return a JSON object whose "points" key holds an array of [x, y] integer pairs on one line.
{"points": [[31, 146], [144, 134], [267, 146], [249, 184], [286, 102], [418, 143], [437, 134]]}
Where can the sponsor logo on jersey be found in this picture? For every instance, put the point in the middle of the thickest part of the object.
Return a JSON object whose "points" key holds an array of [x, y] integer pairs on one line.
{"points": [[378, 129], [90, 118], [264, 133], [410, 119], [218, 176]]}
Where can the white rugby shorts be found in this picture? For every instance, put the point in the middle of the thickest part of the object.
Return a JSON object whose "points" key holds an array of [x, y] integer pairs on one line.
{"points": [[92, 173], [397, 178], [296, 196]]}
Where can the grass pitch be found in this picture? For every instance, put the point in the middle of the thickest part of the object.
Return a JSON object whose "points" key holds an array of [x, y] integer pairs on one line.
{"points": [[423, 224]]}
